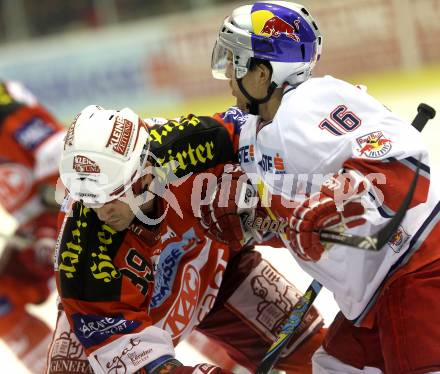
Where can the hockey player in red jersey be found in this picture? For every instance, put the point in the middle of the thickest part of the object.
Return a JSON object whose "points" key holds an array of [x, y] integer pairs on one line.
{"points": [[135, 271], [355, 158], [30, 146]]}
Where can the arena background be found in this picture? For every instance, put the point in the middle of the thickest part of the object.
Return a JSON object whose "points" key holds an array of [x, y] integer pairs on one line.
{"points": [[155, 58]]}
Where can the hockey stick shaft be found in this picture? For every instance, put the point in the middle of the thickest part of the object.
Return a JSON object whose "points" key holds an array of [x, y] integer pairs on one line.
{"points": [[296, 316], [286, 334]]}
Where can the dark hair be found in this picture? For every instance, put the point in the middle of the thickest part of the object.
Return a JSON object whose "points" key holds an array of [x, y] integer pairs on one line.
{"points": [[254, 62]]}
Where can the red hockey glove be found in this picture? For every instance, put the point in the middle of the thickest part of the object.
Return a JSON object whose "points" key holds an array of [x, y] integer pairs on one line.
{"points": [[32, 248], [335, 207], [233, 200]]}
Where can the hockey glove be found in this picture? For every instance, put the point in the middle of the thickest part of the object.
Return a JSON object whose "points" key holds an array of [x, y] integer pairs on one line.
{"points": [[336, 207], [233, 200]]}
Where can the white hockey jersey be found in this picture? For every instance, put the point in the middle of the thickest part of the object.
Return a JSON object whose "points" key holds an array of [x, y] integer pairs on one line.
{"points": [[322, 126]]}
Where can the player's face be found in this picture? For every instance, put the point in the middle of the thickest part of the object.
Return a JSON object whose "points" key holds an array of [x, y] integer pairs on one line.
{"points": [[252, 82], [241, 100], [116, 214]]}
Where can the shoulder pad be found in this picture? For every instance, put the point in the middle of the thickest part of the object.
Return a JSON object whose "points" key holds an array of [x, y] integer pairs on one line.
{"points": [[189, 145]]}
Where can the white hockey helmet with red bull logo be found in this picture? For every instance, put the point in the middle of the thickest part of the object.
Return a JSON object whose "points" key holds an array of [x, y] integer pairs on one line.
{"points": [[281, 32], [104, 153]]}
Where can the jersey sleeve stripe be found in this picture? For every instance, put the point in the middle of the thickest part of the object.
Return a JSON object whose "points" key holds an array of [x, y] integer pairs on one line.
{"points": [[398, 173]]}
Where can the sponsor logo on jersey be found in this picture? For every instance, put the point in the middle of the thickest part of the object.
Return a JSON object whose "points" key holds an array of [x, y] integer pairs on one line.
{"points": [[83, 164], [130, 356], [67, 355], [183, 309], [265, 224], [101, 266], [175, 161], [168, 265], [273, 163], [33, 133], [159, 135], [92, 329], [246, 154], [275, 295], [251, 152], [70, 254], [180, 149], [265, 299], [139, 358], [268, 24], [15, 185], [398, 240], [121, 135], [373, 145]]}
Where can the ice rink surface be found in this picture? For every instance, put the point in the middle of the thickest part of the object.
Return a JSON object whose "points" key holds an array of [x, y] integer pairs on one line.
{"points": [[402, 102]]}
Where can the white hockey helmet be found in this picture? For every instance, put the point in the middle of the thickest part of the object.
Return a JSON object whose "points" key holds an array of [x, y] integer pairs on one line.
{"points": [[281, 32], [104, 153]]}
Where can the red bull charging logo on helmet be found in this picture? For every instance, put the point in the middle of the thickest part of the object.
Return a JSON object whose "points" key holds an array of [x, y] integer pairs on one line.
{"points": [[266, 23]]}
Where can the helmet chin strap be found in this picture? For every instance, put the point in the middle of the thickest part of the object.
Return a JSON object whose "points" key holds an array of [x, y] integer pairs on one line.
{"points": [[254, 103]]}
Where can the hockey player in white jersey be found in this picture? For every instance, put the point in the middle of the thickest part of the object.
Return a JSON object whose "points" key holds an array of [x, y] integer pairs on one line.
{"points": [[331, 157]]}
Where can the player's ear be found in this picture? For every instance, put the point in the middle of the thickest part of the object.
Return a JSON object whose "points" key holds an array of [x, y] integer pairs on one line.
{"points": [[144, 180], [264, 73]]}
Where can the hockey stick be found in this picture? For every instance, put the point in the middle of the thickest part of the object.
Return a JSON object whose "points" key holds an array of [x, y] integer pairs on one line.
{"points": [[425, 113], [298, 312]]}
